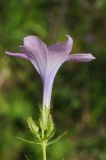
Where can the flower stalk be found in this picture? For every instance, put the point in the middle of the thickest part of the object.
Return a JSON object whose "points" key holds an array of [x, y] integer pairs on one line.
{"points": [[44, 145]]}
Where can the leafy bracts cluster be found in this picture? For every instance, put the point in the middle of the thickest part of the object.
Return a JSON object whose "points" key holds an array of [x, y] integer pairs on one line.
{"points": [[44, 129]]}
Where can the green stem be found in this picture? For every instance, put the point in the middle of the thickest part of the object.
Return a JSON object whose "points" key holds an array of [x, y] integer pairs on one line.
{"points": [[44, 150]]}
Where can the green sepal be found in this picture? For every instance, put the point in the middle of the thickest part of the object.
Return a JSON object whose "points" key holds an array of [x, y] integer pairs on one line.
{"points": [[43, 119], [32, 125], [58, 138], [34, 128], [51, 135], [50, 126], [27, 141], [46, 124]]}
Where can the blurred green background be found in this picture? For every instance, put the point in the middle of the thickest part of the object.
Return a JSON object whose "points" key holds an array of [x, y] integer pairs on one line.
{"points": [[79, 93]]}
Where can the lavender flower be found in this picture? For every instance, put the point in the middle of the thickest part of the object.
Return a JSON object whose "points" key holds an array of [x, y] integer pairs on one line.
{"points": [[47, 60]]}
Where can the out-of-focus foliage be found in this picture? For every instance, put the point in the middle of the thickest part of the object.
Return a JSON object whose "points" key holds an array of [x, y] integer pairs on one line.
{"points": [[79, 93]]}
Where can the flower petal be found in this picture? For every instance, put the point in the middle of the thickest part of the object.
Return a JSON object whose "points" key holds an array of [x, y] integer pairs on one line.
{"points": [[81, 57], [62, 47], [35, 46], [57, 55], [20, 55], [37, 51]]}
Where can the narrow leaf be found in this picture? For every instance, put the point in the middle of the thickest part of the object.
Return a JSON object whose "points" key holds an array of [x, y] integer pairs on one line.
{"points": [[27, 141], [58, 138]]}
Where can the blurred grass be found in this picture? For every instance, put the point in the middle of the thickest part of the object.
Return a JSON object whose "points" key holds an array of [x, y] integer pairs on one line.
{"points": [[79, 103]]}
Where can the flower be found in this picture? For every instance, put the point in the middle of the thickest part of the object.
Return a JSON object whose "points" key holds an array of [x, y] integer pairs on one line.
{"points": [[47, 60]]}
